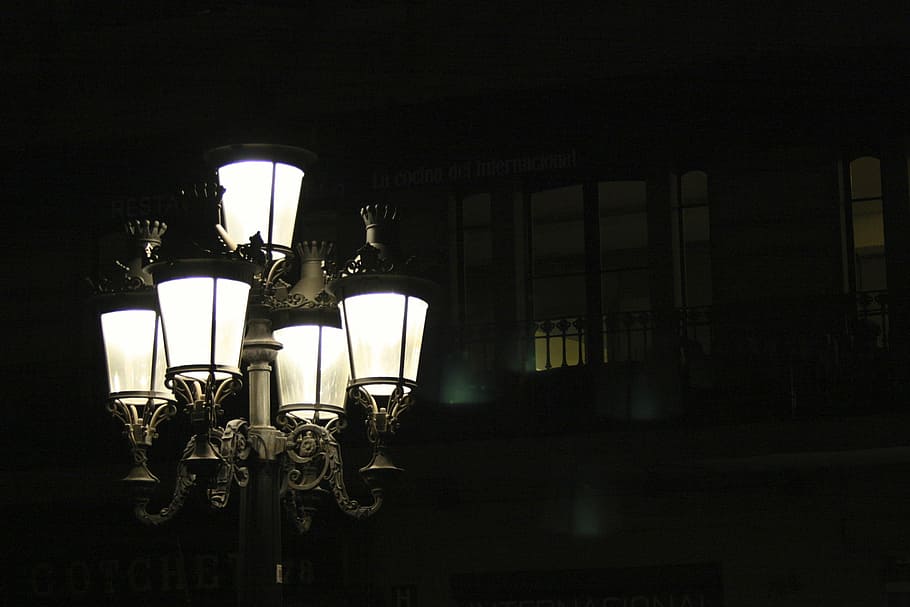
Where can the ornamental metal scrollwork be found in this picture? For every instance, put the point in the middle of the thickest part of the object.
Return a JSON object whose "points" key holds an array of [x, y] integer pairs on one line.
{"points": [[308, 453], [183, 485], [298, 301], [234, 448], [194, 392], [382, 420], [368, 259], [313, 467], [141, 429]]}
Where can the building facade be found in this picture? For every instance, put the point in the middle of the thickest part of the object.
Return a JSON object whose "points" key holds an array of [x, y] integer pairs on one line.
{"points": [[667, 367]]}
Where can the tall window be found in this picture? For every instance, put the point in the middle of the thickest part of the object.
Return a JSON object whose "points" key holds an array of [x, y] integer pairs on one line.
{"points": [[558, 276], [624, 267], [478, 258], [868, 226], [466, 367], [692, 241]]}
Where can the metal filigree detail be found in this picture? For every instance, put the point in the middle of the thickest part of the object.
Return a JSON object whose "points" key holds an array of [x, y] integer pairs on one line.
{"points": [[382, 420], [314, 467], [309, 448], [204, 392], [141, 428], [367, 260], [253, 251], [234, 448], [278, 294], [297, 301], [184, 483]]}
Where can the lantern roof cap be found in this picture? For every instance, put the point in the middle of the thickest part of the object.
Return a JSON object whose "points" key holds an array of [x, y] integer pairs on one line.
{"points": [[220, 267], [236, 152]]}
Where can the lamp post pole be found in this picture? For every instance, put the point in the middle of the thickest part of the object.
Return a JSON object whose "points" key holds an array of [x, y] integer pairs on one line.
{"points": [[260, 506]]}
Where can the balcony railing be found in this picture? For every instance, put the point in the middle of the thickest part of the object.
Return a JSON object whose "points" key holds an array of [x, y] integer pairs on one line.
{"points": [[797, 348], [559, 342]]}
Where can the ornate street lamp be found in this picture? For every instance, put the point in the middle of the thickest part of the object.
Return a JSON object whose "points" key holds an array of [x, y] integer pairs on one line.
{"points": [[357, 340], [203, 311], [383, 311], [134, 350]]}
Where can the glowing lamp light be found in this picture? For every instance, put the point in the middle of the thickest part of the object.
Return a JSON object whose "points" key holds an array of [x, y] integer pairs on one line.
{"points": [[262, 186], [312, 368], [134, 348], [203, 311], [383, 318]]}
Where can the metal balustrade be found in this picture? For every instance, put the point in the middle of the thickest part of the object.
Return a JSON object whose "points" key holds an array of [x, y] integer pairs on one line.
{"points": [[559, 342], [803, 349]]}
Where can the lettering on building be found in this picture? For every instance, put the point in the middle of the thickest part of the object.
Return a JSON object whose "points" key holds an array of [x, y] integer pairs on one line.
{"points": [[466, 171], [160, 574], [639, 600]]}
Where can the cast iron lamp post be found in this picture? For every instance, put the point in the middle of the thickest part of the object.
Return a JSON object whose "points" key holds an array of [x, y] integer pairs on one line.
{"points": [[176, 331]]}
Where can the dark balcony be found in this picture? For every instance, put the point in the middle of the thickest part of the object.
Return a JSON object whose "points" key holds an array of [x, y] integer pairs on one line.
{"points": [[734, 362]]}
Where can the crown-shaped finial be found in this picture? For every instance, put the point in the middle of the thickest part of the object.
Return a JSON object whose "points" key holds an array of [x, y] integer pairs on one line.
{"points": [[381, 223], [312, 255], [314, 250], [202, 191], [146, 230], [374, 214]]}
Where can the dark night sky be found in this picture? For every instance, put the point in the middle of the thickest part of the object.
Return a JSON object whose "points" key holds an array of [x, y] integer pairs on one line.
{"points": [[85, 75]]}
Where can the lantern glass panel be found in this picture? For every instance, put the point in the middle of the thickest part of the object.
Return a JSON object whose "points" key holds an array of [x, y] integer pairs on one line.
{"points": [[296, 364], [134, 348], [417, 316], [336, 370], [375, 325], [248, 194], [186, 311], [233, 296], [297, 368], [288, 181]]}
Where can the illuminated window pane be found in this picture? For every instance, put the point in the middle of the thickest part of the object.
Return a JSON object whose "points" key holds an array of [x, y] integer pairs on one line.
{"points": [[868, 224], [559, 343]]}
